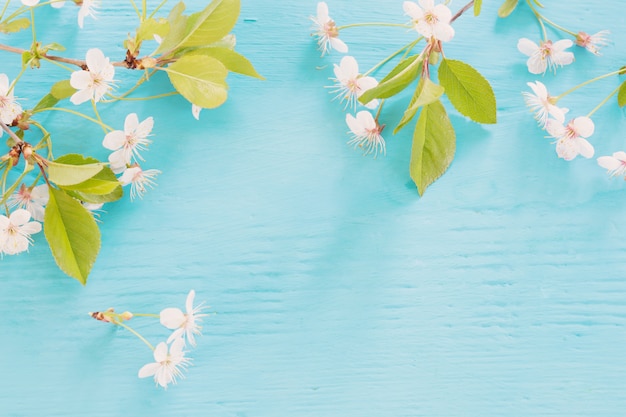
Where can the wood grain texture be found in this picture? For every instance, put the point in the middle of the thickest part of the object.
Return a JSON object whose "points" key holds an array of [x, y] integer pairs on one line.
{"points": [[335, 290]]}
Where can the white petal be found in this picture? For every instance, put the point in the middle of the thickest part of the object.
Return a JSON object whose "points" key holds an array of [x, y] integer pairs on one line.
{"points": [[96, 60], [539, 89], [119, 160], [322, 12], [527, 47], [412, 10], [30, 3], [554, 128], [443, 31], [366, 120], [584, 148], [144, 128], [354, 125], [443, 13], [149, 370], [195, 111], [537, 65], [130, 123], [349, 68], [427, 4], [583, 126], [608, 162], [20, 217], [114, 140], [189, 301], [338, 45], [31, 228], [562, 44], [621, 155], [81, 96], [160, 352], [80, 79], [172, 317]]}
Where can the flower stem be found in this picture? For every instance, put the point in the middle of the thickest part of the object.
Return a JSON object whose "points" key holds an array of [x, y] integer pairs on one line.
{"points": [[130, 329], [571, 90], [4, 9], [354, 25], [603, 102], [132, 2], [84, 116], [115, 98], [146, 315], [10, 132], [157, 9], [461, 11], [406, 47], [95, 110]]}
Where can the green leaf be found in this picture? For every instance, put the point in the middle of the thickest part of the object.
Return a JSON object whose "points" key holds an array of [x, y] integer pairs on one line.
{"points": [[478, 4], [211, 24], [426, 92], [397, 80], [507, 7], [62, 89], [72, 234], [46, 102], [200, 79], [178, 24], [434, 144], [15, 25], [232, 60], [103, 183], [468, 91], [621, 95], [151, 27], [72, 169], [26, 57]]}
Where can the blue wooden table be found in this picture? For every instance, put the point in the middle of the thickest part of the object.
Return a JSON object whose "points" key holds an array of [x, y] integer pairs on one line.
{"points": [[334, 290]]}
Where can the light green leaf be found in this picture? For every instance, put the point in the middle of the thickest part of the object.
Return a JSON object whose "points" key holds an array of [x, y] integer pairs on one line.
{"points": [[233, 61], [426, 92], [54, 47], [621, 95], [178, 24], [468, 91], [434, 144], [200, 79], [507, 7], [477, 6], [211, 24], [72, 169], [72, 234], [151, 27], [46, 102], [62, 89], [15, 25], [26, 57], [103, 183], [397, 80]]}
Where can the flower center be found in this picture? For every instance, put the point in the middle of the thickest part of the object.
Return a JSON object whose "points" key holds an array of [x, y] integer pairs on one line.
{"points": [[431, 18], [331, 29]]}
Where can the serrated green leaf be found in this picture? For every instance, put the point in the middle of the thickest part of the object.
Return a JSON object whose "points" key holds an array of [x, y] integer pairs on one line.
{"points": [[72, 234], [150, 27], [211, 24], [621, 95], [468, 91], [54, 47], [200, 79], [477, 6], [232, 60], [62, 89], [72, 169], [26, 57], [507, 8], [434, 144], [426, 92], [397, 80], [15, 25]]}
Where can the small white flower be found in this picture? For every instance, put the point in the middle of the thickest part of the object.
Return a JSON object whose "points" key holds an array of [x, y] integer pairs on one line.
{"points": [[546, 54], [543, 104], [139, 180], [195, 111], [183, 324], [594, 42], [429, 20], [31, 199], [615, 165], [326, 31], [350, 84], [570, 139], [15, 232], [9, 108], [94, 83], [366, 133], [167, 365], [128, 143], [87, 8]]}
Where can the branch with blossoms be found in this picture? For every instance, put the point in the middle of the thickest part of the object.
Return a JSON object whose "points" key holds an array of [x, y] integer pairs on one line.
{"points": [[169, 356], [434, 138], [195, 50]]}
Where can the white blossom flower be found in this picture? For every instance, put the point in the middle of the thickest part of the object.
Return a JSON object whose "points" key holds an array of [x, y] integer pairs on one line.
{"points": [[9, 108], [429, 20], [93, 83], [543, 104], [615, 165], [570, 139], [546, 54], [139, 180], [87, 8], [32, 199], [183, 324], [15, 232], [350, 84], [594, 42], [366, 133], [167, 365], [128, 143], [326, 31]]}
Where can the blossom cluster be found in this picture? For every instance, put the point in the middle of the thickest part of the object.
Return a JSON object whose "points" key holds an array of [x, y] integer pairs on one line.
{"points": [[170, 358]]}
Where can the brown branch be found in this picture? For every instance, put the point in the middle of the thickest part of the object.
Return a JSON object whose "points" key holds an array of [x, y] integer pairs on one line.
{"points": [[463, 10], [79, 63]]}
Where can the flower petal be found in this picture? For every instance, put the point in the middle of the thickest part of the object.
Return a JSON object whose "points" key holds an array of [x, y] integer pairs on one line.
{"points": [[114, 140], [527, 47], [172, 317], [149, 369]]}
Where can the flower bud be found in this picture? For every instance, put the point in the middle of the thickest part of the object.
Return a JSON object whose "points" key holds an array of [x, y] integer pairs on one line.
{"points": [[127, 315], [147, 62]]}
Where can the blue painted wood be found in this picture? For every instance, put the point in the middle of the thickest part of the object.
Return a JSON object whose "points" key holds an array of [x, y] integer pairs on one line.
{"points": [[335, 290]]}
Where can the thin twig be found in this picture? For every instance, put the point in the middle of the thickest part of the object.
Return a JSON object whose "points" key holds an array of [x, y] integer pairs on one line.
{"points": [[463, 10]]}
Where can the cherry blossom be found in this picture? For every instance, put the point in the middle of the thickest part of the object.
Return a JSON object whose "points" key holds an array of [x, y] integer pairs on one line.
{"points": [[543, 104], [87, 8], [570, 139], [167, 365], [15, 232], [128, 143], [139, 180], [183, 324], [350, 85], [366, 133], [429, 20], [594, 42], [32, 199], [326, 31], [546, 54], [94, 83], [9, 108], [615, 164]]}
